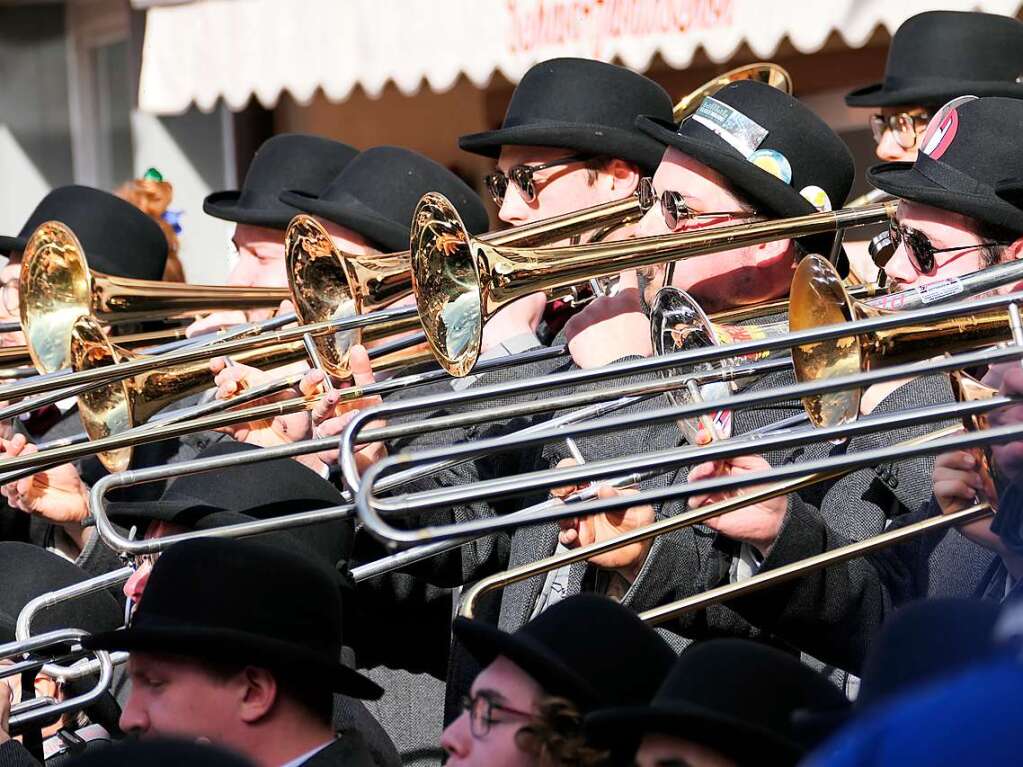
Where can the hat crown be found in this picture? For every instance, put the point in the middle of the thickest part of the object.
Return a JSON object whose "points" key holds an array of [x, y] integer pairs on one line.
{"points": [[955, 45], [586, 92], [118, 238], [245, 588], [292, 161]]}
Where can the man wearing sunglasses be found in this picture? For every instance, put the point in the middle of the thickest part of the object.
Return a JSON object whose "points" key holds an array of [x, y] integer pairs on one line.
{"points": [[565, 145]]}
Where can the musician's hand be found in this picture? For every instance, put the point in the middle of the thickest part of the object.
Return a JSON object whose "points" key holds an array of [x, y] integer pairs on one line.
{"points": [[756, 524], [957, 485], [232, 380], [582, 531], [215, 321], [608, 329], [1009, 379], [333, 412], [6, 696], [518, 318]]}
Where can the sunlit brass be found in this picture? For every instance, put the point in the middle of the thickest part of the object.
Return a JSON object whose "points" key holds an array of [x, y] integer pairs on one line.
{"points": [[818, 298], [966, 388], [763, 72], [19, 355], [461, 282], [57, 287]]}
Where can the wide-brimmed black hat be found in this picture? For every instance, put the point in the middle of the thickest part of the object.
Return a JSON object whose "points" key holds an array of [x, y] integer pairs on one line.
{"points": [[732, 695], [260, 490], [581, 105], [769, 146], [587, 648], [286, 161], [118, 238], [27, 571], [966, 151], [377, 193], [244, 602], [938, 55]]}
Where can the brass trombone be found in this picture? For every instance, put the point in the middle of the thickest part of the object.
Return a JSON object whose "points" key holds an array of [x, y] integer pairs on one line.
{"points": [[764, 72]]}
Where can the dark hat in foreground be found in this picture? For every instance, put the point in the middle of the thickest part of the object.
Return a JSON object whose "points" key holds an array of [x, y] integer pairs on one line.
{"points": [[583, 106], [26, 571], [587, 648], [938, 55], [286, 161], [160, 753], [377, 193], [969, 148], [244, 602], [118, 238], [770, 147], [732, 695]]}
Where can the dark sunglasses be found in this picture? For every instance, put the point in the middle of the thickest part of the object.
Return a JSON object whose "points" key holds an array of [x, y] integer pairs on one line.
{"points": [[904, 126], [522, 177], [920, 250], [676, 210]]}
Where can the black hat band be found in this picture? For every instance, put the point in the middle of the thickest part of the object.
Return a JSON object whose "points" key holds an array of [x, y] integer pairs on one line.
{"points": [[949, 178]]}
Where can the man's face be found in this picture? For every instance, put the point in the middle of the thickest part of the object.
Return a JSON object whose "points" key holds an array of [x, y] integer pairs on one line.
{"points": [[9, 305], [665, 751], [560, 189], [891, 146], [260, 262], [507, 685], [171, 696], [717, 281], [924, 227], [136, 584]]}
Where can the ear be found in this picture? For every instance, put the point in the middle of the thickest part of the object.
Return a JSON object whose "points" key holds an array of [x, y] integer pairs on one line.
{"points": [[771, 253], [259, 694], [624, 175], [1014, 251]]}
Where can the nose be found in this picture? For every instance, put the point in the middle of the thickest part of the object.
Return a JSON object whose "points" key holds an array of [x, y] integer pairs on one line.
{"points": [[133, 716], [890, 150], [652, 223], [900, 268], [457, 739], [514, 210], [136, 584]]}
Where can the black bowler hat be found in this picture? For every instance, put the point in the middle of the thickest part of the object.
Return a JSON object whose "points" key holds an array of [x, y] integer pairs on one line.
{"points": [[732, 695], [377, 193], [587, 648], [938, 55], [581, 105], [967, 150], [245, 602], [160, 752], [773, 149], [286, 161], [118, 238], [26, 571]]}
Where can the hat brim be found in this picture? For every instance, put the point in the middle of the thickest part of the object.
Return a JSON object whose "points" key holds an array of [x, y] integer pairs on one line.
{"points": [[763, 189], [227, 206], [350, 212], [172, 510], [580, 137], [485, 643], [902, 180], [928, 92], [743, 742], [239, 646], [7, 244]]}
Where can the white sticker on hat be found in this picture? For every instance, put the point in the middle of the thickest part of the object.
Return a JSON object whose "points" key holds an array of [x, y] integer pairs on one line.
{"points": [[942, 129], [816, 197], [740, 132]]}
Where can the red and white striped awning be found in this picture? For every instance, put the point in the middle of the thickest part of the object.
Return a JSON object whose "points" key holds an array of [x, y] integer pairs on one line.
{"points": [[199, 52]]}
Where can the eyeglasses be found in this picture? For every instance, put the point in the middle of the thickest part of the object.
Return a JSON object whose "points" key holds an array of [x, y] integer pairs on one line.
{"points": [[905, 126], [522, 177], [10, 295], [481, 713], [676, 210], [920, 250]]}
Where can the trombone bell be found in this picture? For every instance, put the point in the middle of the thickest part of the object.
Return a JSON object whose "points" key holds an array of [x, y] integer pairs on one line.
{"points": [[764, 72]]}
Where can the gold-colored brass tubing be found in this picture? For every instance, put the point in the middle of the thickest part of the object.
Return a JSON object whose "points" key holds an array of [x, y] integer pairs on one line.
{"points": [[20, 354], [764, 72]]}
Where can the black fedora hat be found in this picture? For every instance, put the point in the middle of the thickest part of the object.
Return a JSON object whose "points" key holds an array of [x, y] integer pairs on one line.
{"points": [[248, 602], [118, 238], [938, 55], [587, 648], [261, 490], [732, 695], [377, 193], [27, 571], [285, 161], [772, 148], [969, 147], [582, 105]]}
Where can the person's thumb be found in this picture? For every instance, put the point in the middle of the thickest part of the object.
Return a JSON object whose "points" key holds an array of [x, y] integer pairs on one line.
{"points": [[359, 364]]}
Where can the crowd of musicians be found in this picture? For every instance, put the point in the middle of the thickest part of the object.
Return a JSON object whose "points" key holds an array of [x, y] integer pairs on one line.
{"points": [[868, 615]]}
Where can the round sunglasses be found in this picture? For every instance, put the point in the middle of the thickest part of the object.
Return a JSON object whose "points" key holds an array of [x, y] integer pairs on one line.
{"points": [[523, 176]]}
